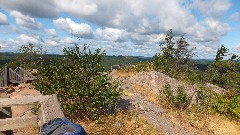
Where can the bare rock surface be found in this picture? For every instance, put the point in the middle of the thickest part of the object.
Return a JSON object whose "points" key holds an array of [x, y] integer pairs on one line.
{"points": [[153, 113]]}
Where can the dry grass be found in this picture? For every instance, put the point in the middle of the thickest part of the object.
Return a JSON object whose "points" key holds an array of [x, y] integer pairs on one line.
{"points": [[121, 74], [121, 123], [151, 96], [198, 123]]}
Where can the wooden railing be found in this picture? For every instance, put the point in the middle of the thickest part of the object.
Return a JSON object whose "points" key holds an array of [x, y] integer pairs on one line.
{"points": [[49, 109], [17, 76], [24, 73], [4, 80]]}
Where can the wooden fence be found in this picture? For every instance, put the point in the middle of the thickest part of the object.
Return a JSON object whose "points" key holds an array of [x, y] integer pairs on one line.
{"points": [[49, 109], [17, 76]]}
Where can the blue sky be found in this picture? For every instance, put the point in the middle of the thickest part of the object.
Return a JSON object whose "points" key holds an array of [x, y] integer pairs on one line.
{"points": [[120, 27]]}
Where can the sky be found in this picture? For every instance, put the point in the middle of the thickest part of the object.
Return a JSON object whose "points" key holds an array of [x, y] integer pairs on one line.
{"points": [[120, 27]]}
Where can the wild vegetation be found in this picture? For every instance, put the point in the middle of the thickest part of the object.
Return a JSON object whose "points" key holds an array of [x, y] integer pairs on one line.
{"points": [[175, 60], [78, 78], [179, 100], [79, 82]]}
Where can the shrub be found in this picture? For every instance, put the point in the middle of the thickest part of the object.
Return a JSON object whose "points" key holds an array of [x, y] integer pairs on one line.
{"points": [[179, 100], [78, 80], [226, 104], [168, 93]]}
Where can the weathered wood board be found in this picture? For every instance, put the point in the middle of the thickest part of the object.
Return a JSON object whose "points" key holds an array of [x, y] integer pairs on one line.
{"points": [[50, 109], [19, 122], [21, 100]]}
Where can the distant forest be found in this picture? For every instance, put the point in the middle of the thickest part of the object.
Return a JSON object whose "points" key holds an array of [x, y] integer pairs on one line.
{"points": [[201, 64]]}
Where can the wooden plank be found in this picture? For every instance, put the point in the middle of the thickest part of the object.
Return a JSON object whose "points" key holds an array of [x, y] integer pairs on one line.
{"points": [[18, 82], [50, 109], [21, 100], [19, 122]]}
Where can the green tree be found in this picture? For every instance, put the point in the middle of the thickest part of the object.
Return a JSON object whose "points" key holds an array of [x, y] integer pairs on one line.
{"points": [[79, 82], [225, 72], [165, 60], [183, 56], [174, 58]]}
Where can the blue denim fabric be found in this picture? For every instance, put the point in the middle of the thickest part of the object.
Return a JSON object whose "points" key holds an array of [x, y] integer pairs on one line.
{"points": [[62, 126]]}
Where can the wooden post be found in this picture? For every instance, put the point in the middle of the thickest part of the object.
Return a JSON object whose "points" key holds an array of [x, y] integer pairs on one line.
{"points": [[6, 77]]}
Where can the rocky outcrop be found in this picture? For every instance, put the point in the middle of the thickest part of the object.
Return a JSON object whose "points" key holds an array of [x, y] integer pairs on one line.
{"points": [[156, 81]]}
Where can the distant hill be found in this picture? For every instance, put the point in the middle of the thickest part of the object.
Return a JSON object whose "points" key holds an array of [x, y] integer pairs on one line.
{"points": [[201, 64], [123, 60], [6, 57]]}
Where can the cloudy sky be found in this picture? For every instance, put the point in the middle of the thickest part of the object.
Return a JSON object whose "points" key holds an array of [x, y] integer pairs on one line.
{"points": [[120, 27]]}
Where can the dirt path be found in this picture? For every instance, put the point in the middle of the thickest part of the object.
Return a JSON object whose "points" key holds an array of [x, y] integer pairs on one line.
{"points": [[153, 113]]}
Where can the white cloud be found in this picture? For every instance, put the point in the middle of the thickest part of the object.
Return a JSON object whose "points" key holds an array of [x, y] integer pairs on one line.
{"points": [[3, 19], [25, 39], [127, 25], [9, 45], [25, 21], [77, 7], [51, 32], [209, 30], [34, 8], [213, 8], [51, 42], [9, 29], [66, 41], [111, 34], [82, 30], [235, 16]]}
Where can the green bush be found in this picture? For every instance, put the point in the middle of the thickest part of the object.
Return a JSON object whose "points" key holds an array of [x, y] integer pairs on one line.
{"points": [[225, 104], [179, 100], [168, 93], [234, 106], [204, 100], [78, 80]]}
